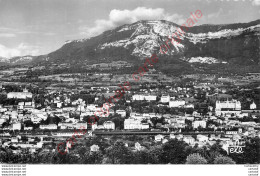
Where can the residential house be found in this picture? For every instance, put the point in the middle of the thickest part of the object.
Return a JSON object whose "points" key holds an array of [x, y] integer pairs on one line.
{"points": [[121, 112], [189, 140], [176, 103], [165, 99], [198, 123], [109, 125], [158, 138], [48, 127], [16, 126]]}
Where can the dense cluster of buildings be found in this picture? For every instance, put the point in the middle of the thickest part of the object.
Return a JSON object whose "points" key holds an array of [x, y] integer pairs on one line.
{"points": [[171, 110]]}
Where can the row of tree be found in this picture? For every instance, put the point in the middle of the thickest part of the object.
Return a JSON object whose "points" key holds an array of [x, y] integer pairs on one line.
{"points": [[117, 152]]}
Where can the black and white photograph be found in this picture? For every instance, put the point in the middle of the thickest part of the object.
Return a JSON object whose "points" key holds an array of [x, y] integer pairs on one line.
{"points": [[151, 83]]}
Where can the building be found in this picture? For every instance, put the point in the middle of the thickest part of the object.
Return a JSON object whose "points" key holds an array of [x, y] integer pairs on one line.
{"points": [[189, 140], [17, 126], [231, 133], [81, 125], [48, 127], [28, 128], [253, 106], [2, 121], [144, 97], [66, 126], [92, 107], [94, 148], [109, 125], [121, 112], [228, 105], [19, 95], [130, 124], [189, 106], [202, 138], [200, 123], [165, 99], [223, 107], [158, 138], [176, 103], [136, 116]]}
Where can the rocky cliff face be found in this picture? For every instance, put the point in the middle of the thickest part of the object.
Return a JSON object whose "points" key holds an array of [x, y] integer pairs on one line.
{"points": [[233, 43]]}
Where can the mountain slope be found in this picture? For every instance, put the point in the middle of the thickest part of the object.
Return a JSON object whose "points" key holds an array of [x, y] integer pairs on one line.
{"points": [[231, 43]]}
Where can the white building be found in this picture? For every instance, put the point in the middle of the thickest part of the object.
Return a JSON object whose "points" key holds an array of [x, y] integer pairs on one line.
{"points": [[17, 126], [94, 148], [81, 125], [189, 106], [198, 123], [2, 121], [253, 106], [19, 95], [145, 126], [130, 124], [176, 103], [92, 107], [165, 99], [28, 128], [202, 138], [94, 126], [232, 106], [59, 104], [109, 125], [35, 119], [136, 116], [158, 138], [144, 97], [121, 112], [49, 127], [189, 140]]}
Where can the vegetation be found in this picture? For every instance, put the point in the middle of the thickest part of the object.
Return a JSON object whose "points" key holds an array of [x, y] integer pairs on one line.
{"points": [[196, 158], [223, 160], [121, 150]]}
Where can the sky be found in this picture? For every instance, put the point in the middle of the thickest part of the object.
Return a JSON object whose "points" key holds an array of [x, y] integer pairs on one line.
{"points": [[36, 27]]}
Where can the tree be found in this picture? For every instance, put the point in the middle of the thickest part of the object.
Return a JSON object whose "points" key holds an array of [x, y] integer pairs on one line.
{"points": [[154, 155], [119, 122], [223, 160], [151, 156], [174, 152], [196, 158], [251, 153], [93, 157], [119, 153]]}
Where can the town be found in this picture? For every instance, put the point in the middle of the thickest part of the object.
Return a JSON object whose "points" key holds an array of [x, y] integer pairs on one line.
{"points": [[43, 106]]}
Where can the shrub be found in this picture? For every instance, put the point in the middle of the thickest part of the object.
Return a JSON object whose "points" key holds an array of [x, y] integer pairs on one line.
{"points": [[196, 158]]}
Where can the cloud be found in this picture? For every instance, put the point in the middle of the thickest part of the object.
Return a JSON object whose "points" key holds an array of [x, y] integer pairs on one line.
{"points": [[49, 33], [256, 2], [120, 17], [216, 14], [21, 50], [7, 35]]}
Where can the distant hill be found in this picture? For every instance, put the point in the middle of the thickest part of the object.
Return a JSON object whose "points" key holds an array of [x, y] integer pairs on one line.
{"points": [[18, 60]]}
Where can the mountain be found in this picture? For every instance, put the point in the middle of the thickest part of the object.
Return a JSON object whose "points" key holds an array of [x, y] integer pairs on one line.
{"points": [[21, 59], [229, 46], [17, 60], [231, 43], [4, 60]]}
